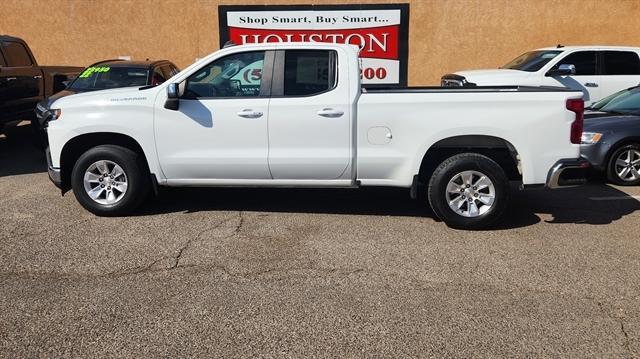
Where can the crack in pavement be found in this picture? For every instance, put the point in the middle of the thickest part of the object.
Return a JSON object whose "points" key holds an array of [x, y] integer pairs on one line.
{"points": [[149, 269], [255, 275], [137, 269], [188, 243], [627, 341], [262, 272]]}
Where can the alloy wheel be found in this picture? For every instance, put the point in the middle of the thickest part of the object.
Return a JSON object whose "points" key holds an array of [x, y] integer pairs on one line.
{"points": [[105, 182], [470, 194], [627, 166]]}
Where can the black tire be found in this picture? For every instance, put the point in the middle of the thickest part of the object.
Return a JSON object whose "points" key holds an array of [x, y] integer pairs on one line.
{"points": [[135, 170], [612, 173], [474, 164]]}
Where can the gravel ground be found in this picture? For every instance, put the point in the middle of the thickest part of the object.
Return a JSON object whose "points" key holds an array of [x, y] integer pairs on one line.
{"points": [[313, 273]]}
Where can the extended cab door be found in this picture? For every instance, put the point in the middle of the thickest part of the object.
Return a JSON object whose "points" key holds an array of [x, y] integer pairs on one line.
{"points": [[620, 70], [310, 116], [220, 128], [20, 81], [586, 78]]}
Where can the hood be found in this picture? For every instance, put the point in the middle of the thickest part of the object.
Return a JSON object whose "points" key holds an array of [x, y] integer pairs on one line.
{"points": [[88, 95], [45, 104], [603, 122], [495, 76], [64, 93]]}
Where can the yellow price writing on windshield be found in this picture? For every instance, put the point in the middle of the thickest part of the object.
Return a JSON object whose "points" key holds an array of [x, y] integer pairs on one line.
{"points": [[91, 70]]}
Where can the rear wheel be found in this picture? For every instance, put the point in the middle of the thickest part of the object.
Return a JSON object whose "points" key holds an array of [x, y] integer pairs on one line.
{"points": [[624, 166], [468, 191], [110, 180]]}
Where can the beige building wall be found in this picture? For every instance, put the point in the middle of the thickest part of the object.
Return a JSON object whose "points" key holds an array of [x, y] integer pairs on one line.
{"points": [[444, 35]]}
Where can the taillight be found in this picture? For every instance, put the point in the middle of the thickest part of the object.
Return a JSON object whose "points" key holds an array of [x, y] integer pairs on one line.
{"points": [[576, 105]]}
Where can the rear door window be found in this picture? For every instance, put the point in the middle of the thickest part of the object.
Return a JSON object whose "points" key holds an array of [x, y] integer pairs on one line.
{"points": [[584, 61], [621, 63], [16, 53], [309, 72]]}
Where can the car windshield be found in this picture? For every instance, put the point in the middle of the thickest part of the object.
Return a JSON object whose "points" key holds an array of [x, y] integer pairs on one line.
{"points": [[103, 77], [532, 61], [625, 101]]}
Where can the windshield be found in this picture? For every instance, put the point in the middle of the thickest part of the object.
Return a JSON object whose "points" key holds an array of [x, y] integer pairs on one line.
{"points": [[532, 61], [105, 77], [625, 101]]}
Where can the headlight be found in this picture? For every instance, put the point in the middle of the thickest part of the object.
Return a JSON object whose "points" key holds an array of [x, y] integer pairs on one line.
{"points": [[589, 138]]}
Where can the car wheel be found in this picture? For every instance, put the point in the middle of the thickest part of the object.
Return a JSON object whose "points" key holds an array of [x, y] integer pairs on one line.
{"points": [[468, 191], [110, 180], [624, 166]]}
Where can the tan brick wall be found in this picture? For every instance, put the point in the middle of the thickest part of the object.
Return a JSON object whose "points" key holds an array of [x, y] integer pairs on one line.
{"points": [[444, 35]]}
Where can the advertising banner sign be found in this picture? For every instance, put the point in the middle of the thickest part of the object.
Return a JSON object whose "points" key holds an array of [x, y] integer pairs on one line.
{"points": [[380, 30]]}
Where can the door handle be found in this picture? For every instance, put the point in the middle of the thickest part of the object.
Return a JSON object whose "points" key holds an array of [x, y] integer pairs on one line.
{"points": [[248, 113], [11, 78], [331, 113], [591, 84], [37, 76]]}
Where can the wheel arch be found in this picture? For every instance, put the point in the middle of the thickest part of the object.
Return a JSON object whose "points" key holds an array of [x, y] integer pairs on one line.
{"points": [[496, 148], [78, 145]]}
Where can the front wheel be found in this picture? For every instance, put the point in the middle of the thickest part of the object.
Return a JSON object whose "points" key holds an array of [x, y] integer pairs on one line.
{"points": [[624, 166], [468, 191], [110, 180]]}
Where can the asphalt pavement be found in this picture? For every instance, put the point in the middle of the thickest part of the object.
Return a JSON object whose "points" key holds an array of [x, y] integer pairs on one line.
{"points": [[313, 273]]}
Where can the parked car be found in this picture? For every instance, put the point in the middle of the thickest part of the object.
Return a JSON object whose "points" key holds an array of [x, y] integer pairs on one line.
{"points": [[23, 83], [597, 71], [295, 115], [611, 138], [111, 74]]}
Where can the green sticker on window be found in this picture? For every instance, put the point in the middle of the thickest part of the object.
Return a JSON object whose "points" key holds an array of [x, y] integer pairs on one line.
{"points": [[91, 70]]}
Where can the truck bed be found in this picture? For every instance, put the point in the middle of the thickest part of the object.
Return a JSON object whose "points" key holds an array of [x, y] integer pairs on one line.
{"points": [[438, 89], [532, 120]]}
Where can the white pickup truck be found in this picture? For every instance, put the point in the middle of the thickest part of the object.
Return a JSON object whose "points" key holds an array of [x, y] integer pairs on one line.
{"points": [[597, 71], [295, 115]]}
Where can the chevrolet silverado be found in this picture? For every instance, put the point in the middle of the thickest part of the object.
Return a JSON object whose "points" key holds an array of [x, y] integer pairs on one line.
{"points": [[295, 115]]}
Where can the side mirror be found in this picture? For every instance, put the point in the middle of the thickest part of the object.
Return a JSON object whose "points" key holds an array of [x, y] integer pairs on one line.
{"points": [[562, 70], [173, 97]]}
